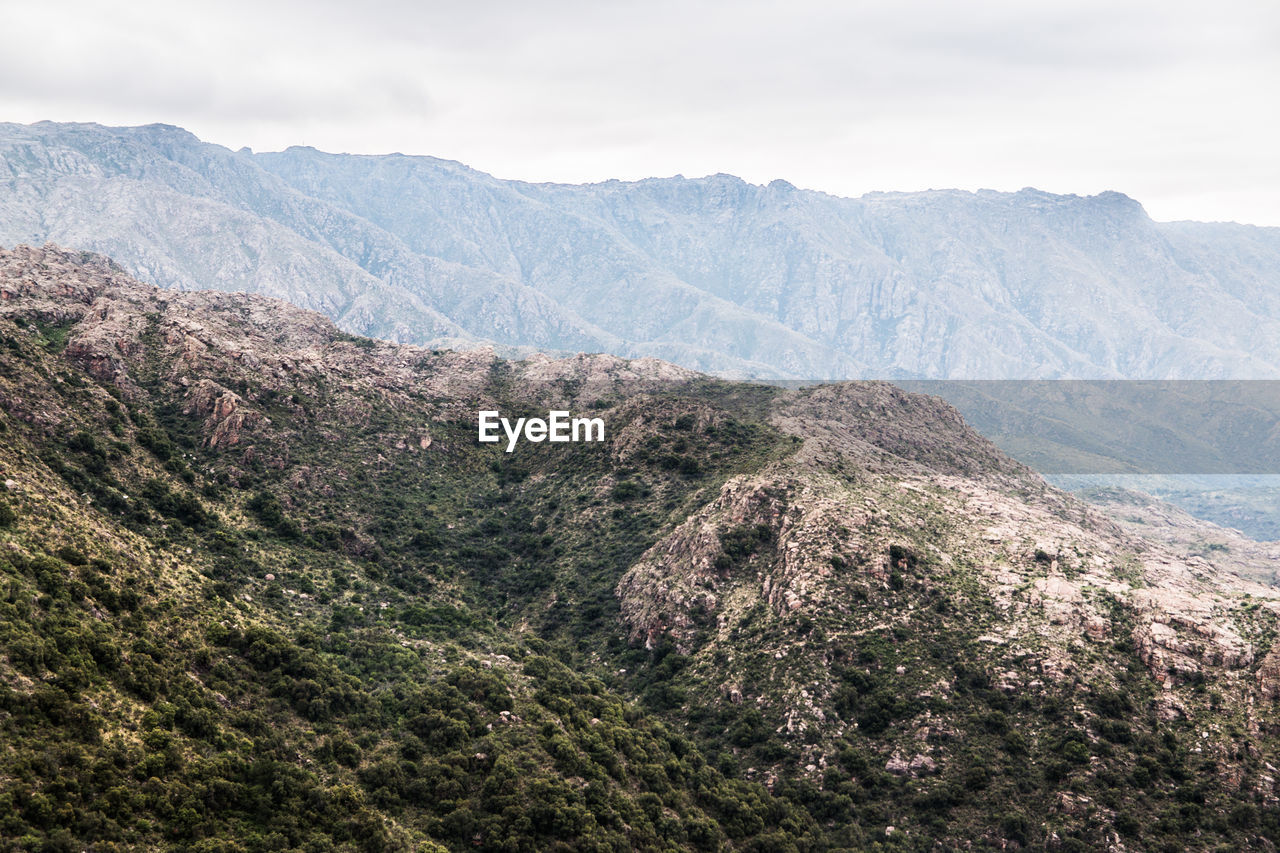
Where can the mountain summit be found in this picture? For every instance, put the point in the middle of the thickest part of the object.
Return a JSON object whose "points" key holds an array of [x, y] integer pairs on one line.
{"points": [[713, 273]]}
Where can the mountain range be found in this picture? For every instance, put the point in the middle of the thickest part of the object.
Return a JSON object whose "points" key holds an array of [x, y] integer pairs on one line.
{"points": [[714, 273], [261, 588]]}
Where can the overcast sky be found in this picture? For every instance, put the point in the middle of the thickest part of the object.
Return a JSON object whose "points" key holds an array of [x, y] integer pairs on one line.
{"points": [[1175, 103]]}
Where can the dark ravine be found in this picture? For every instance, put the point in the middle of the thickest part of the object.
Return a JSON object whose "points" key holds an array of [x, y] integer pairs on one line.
{"points": [[712, 273], [263, 589]]}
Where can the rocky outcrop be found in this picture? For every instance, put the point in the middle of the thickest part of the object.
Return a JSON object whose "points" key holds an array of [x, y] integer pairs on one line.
{"points": [[225, 414], [116, 326], [676, 584], [917, 765], [1268, 675], [1179, 642], [855, 514]]}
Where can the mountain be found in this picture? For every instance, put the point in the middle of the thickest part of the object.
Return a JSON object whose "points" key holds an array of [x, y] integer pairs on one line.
{"points": [[1164, 520], [713, 273], [1209, 447], [263, 588], [1217, 427]]}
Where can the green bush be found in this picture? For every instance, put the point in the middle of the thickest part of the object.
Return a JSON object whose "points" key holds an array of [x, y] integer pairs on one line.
{"points": [[626, 490]]}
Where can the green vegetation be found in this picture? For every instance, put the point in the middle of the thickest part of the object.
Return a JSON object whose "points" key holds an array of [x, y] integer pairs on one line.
{"points": [[336, 635], [202, 655]]}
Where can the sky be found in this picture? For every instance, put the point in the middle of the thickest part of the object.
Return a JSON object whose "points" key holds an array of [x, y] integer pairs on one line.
{"points": [[1176, 104]]}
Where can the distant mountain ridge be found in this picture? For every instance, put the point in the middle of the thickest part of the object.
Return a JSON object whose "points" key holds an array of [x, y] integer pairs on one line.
{"points": [[713, 273]]}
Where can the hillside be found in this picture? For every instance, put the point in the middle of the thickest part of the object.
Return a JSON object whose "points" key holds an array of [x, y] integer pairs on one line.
{"points": [[711, 273], [1208, 447], [263, 590]]}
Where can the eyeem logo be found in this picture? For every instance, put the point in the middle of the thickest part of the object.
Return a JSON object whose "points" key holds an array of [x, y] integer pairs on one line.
{"points": [[557, 427]]}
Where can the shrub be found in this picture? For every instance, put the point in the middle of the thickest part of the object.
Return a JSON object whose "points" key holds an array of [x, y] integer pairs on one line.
{"points": [[157, 441], [1016, 827], [626, 490], [902, 557]]}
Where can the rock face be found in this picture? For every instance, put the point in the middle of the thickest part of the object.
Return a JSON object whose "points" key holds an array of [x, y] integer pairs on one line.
{"points": [[860, 515], [225, 413], [1269, 675], [714, 273], [845, 518]]}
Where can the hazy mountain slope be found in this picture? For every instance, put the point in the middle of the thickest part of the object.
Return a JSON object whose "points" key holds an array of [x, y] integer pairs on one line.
{"points": [[1159, 518], [712, 273], [1211, 447], [193, 215], [1107, 427], [1240, 258], [446, 210], [939, 283], [263, 589]]}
